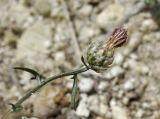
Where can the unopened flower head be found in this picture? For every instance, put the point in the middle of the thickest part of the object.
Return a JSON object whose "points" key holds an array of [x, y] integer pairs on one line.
{"points": [[100, 54]]}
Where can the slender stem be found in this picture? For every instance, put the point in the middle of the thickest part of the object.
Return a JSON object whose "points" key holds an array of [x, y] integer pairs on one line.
{"points": [[28, 94]]}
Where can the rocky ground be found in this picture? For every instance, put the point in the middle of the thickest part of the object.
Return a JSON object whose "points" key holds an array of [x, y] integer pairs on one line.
{"points": [[50, 37]]}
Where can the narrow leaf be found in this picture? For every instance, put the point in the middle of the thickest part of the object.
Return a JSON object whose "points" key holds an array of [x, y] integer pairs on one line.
{"points": [[74, 93], [83, 61], [15, 108], [35, 74]]}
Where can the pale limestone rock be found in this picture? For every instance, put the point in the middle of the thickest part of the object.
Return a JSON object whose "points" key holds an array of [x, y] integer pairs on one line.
{"points": [[86, 85], [43, 7], [33, 45], [82, 109], [110, 16]]}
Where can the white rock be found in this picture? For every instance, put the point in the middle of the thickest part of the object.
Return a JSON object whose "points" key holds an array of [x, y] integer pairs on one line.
{"points": [[139, 113], [69, 84], [134, 56], [103, 85], [113, 14], [148, 25], [133, 43], [99, 117], [47, 44], [86, 85], [137, 66], [59, 56], [29, 21], [93, 103], [130, 84], [2, 87], [114, 72], [144, 70], [146, 105], [33, 45], [19, 14], [85, 10], [118, 112], [72, 115], [118, 59], [87, 32], [125, 100], [82, 109], [98, 105], [43, 7]]}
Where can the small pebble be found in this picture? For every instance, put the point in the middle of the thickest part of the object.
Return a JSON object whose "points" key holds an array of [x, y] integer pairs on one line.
{"points": [[103, 86], [139, 113], [86, 85], [97, 104], [110, 16], [85, 10], [114, 72], [82, 109], [119, 112], [129, 84], [118, 59]]}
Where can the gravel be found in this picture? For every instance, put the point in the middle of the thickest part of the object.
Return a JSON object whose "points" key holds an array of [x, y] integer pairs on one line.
{"points": [[49, 38]]}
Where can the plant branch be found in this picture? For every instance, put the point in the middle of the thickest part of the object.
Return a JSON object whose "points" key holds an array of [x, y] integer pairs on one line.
{"points": [[74, 92], [28, 94]]}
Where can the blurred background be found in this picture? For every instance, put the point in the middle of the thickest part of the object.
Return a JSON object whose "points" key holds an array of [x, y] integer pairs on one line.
{"points": [[50, 36]]}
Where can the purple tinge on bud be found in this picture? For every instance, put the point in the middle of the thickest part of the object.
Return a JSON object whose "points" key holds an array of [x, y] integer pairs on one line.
{"points": [[100, 54], [118, 38]]}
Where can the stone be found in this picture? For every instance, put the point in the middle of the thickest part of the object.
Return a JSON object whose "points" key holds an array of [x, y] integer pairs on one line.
{"points": [[125, 100], [19, 14], [110, 16], [82, 109], [134, 56], [118, 112], [102, 86], [97, 104], [59, 56], [10, 38], [137, 66], [85, 10], [33, 45], [43, 7], [87, 32], [72, 115], [42, 106], [98, 117], [150, 47], [130, 84], [139, 113], [148, 25], [86, 85], [118, 58], [114, 72], [93, 103], [133, 43]]}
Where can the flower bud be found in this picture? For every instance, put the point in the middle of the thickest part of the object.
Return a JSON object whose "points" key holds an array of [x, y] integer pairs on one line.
{"points": [[100, 54]]}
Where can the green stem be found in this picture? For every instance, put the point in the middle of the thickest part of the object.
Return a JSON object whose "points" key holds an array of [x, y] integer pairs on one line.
{"points": [[28, 94], [74, 92]]}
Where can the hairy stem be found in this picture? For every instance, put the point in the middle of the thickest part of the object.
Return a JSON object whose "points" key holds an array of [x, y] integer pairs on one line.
{"points": [[28, 94]]}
